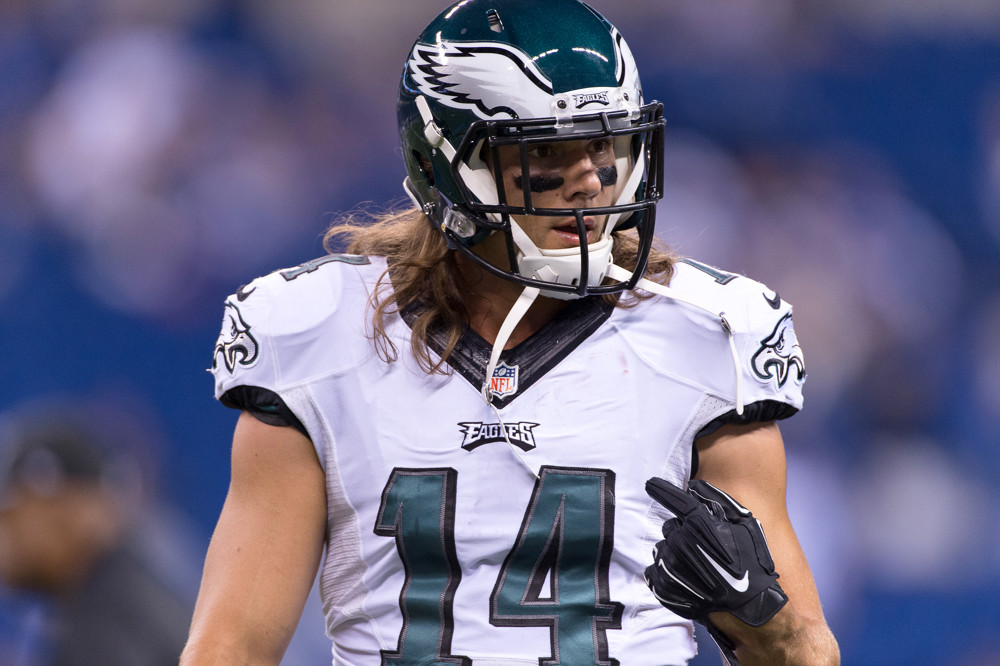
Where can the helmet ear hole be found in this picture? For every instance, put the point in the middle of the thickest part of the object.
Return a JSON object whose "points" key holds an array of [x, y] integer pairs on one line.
{"points": [[426, 168]]}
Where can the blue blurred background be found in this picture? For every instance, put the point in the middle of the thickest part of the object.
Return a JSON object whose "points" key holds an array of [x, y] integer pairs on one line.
{"points": [[156, 155]]}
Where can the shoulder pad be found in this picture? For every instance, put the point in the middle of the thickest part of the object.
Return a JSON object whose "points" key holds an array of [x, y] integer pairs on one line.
{"points": [[274, 327], [771, 361]]}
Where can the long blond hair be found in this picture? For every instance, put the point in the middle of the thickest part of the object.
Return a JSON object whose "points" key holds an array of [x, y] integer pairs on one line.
{"points": [[422, 272]]}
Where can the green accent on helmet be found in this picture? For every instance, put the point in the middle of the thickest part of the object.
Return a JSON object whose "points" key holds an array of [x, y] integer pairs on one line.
{"points": [[567, 40]]}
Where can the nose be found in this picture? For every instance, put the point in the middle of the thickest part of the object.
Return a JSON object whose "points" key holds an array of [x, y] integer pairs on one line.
{"points": [[582, 178]]}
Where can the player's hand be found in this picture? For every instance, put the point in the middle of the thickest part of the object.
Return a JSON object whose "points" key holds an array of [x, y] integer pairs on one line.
{"points": [[713, 557]]}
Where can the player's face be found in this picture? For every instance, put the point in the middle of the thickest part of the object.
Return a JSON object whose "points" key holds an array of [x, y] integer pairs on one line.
{"points": [[564, 174]]}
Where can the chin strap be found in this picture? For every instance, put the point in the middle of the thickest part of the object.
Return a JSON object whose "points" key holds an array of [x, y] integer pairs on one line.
{"points": [[618, 273], [515, 315]]}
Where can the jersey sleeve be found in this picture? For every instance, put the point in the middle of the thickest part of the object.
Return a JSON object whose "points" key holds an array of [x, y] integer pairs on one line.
{"points": [[243, 354], [276, 338], [769, 361], [772, 363], [264, 405]]}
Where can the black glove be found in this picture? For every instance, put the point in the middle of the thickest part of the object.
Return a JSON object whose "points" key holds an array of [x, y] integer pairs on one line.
{"points": [[713, 557]]}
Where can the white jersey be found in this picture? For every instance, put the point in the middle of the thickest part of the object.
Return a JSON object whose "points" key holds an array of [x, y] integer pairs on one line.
{"points": [[460, 534]]}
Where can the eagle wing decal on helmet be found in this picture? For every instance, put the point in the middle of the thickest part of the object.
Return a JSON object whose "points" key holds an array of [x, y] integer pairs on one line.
{"points": [[626, 71], [494, 80]]}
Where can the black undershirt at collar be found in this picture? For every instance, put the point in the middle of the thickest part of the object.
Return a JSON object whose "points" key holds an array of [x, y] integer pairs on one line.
{"points": [[535, 356]]}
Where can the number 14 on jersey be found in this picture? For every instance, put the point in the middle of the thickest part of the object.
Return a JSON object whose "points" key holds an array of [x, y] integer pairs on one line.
{"points": [[554, 576]]}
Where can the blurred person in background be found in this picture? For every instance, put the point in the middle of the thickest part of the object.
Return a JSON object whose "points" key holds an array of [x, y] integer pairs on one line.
{"points": [[443, 409], [74, 533]]}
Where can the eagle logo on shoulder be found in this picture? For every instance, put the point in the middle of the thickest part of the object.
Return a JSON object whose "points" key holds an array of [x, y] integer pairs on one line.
{"points": [[780, 356], [236, 345]]}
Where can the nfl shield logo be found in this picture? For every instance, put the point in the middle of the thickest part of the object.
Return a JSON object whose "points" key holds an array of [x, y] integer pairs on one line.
{"points": [[504, 380]]}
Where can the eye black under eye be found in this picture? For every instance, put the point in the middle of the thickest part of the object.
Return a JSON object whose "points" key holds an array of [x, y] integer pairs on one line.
{"points": [[608, 175], [541, 182]]}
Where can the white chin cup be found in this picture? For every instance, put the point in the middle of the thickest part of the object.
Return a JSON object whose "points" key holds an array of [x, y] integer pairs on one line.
{"points": [[563, 266]]}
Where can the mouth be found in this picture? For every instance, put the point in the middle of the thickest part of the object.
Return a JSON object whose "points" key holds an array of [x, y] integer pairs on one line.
{"points": [[569, 234]]}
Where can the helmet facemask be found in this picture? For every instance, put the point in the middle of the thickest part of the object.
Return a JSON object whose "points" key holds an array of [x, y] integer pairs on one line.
{"points": [[485, 206]]}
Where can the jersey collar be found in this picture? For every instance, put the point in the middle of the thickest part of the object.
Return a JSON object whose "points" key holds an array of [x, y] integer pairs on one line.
{"points": [[533, 357]]}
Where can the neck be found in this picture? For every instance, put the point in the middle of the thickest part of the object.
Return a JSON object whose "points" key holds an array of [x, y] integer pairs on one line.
{"points": [[488, 298]]}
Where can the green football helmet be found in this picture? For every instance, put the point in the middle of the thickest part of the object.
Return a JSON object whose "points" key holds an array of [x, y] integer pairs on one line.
{"points": [[486, 74]]}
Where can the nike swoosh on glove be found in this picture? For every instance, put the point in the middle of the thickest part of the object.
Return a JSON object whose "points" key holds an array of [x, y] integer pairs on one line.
{"points": [[713, 557]]}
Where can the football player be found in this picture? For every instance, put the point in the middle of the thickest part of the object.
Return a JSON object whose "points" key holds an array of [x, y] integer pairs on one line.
{"points": [[455, 422]]}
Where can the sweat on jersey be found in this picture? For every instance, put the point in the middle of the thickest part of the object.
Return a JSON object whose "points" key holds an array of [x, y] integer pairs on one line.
{"points": [[462, 535]]}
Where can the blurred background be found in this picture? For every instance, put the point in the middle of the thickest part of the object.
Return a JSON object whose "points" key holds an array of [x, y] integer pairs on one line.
{"points": [[154, 156]]}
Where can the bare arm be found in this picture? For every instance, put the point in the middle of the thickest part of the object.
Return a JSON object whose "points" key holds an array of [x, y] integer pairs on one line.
{"points": [[265, 551], [748, 463]]}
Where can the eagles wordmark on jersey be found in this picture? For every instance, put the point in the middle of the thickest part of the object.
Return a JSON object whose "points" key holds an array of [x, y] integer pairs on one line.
{"points": [[460, 534]]}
